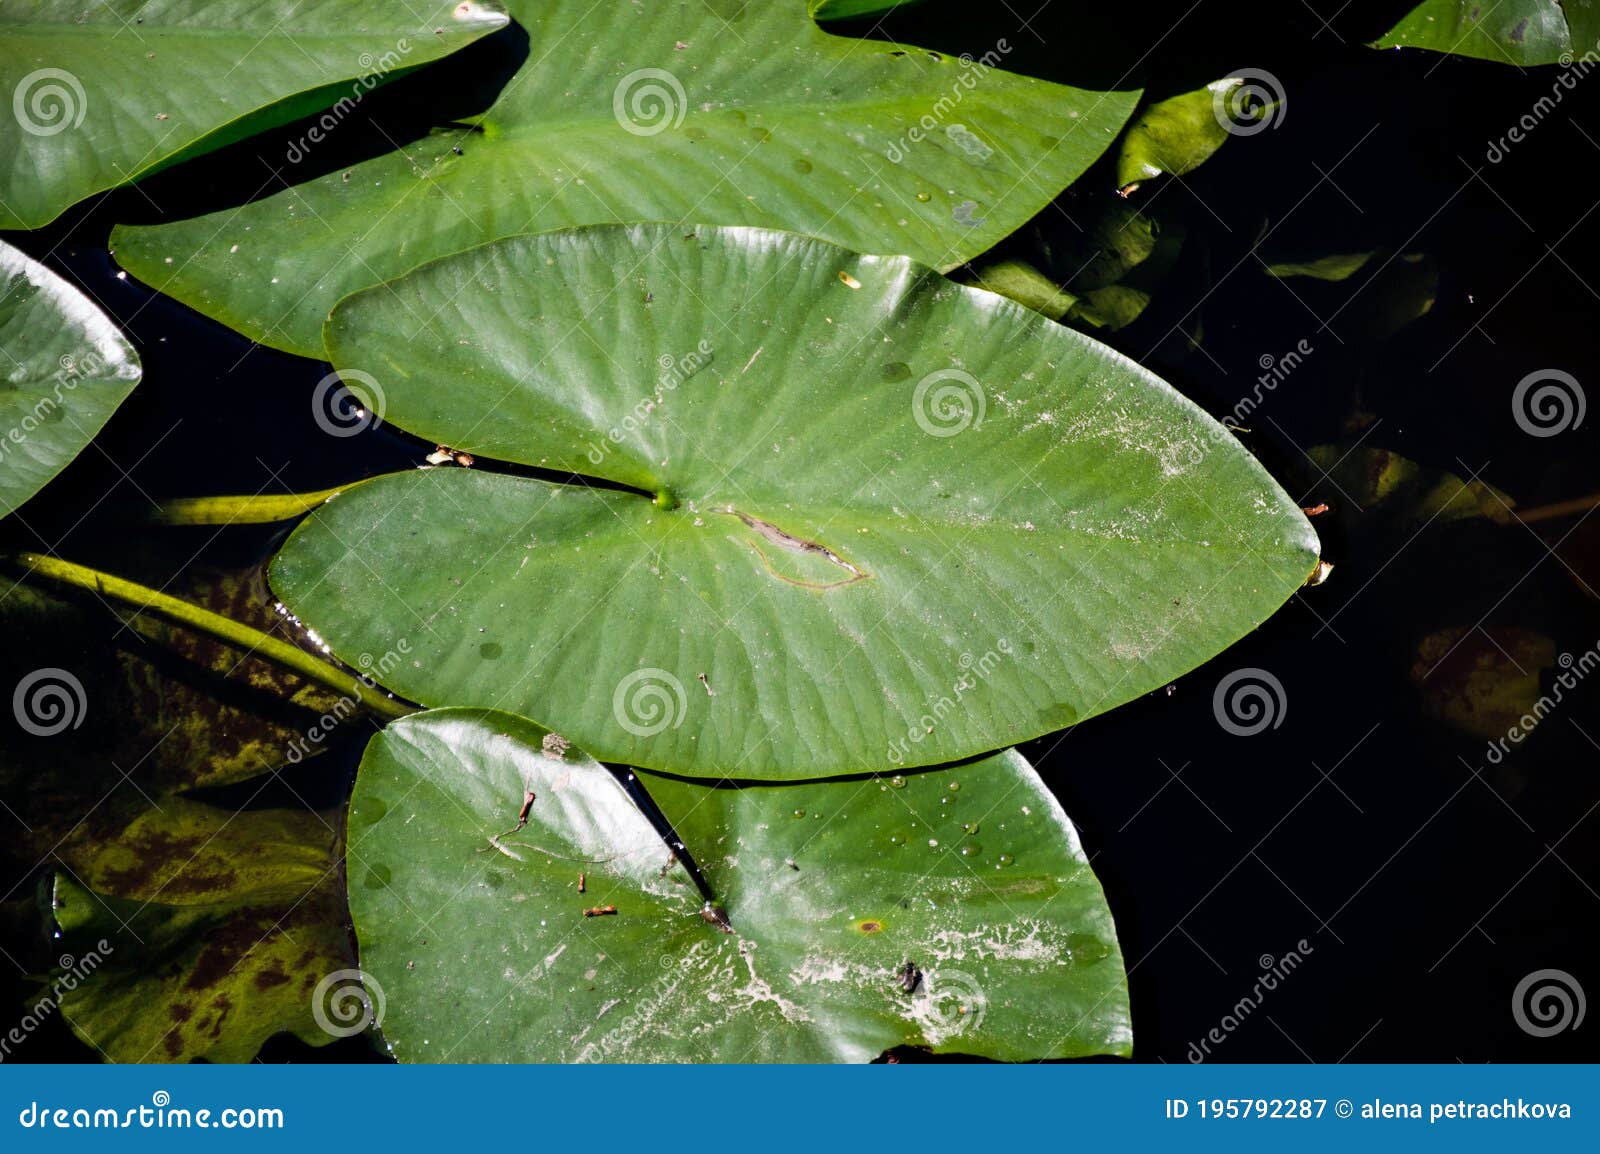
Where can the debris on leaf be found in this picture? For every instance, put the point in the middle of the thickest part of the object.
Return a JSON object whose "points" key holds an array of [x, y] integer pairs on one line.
{"points": [[716, 917]]}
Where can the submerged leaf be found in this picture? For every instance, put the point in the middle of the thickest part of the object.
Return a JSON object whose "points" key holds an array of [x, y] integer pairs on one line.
{"points": [[951, 909], [211, 981], [66, 369], [1338, 267], [734, 112], [899, 521], [1405, 494], [1027, 286], [1175, 135], [104, 93], [1485, 680]]}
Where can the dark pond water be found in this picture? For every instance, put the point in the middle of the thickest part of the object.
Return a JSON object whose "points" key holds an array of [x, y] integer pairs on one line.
{"points": [[1369, 824]]}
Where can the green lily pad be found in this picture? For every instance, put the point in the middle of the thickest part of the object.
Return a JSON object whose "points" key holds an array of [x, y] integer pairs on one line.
{"points": [[738, 113], [66, 370], [896, 520], [1520, 32], [104, 93], [855, 916]]}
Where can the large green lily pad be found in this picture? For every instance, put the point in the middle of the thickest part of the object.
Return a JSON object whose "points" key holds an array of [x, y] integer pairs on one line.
{"points": [[65, 368], [478, 936], [897, 521], [104, 93], [1521, 32], [720, 110]]}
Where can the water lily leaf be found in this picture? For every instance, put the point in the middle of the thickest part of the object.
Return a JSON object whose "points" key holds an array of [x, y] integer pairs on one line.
{"points": [[1484, 680], [213, 981], [1341, 266], [859, 915], [104, 93], [208, 928], [733, 112], [1521, 32], [1175, 135], [1027, 286], [66, 370], [184, 710], [1404, 493], [216, 916], [872, 486], [1116, 262]]}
